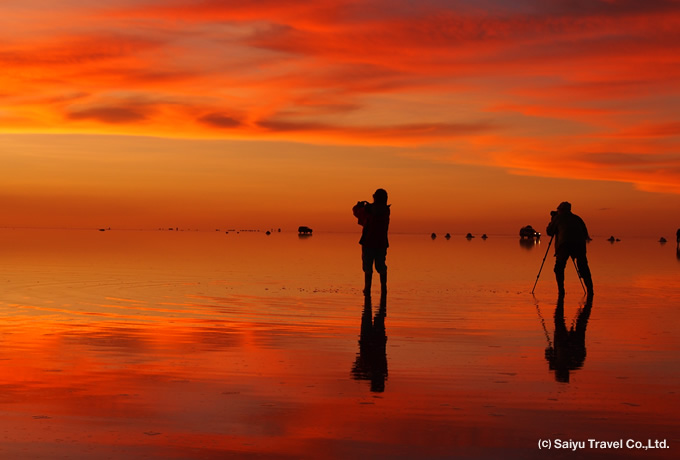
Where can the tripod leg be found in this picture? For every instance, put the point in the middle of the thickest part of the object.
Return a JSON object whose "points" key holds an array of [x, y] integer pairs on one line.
{"points": [[541, 269], [579, 275]]}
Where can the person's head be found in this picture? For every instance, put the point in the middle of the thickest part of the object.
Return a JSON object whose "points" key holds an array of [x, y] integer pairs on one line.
{"points": [[380, 196], [564, 207]]}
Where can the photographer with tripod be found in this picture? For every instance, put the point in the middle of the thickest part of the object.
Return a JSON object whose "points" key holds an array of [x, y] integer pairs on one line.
{"points": [[570, 234], [375, 220]]}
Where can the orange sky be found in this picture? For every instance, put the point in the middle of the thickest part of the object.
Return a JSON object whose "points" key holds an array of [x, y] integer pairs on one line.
{"points": [[476, 116]]}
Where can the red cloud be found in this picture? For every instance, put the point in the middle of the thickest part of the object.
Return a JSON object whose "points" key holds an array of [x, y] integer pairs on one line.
{"points": [[556, 79], [108, 114]]}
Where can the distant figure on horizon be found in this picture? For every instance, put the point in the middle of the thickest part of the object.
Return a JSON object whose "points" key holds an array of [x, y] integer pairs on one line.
{"points": [[375, 220], [570, 234]]}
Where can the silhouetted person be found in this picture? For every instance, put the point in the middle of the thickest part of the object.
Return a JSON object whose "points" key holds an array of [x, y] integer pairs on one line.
{"points": [[677, 237], [568, 351], [571, 235], [371, 361], [375, 220]]}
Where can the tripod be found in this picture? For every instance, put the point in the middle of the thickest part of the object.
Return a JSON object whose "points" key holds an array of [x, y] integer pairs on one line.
{"points": [[543, 262], [541, 269]]}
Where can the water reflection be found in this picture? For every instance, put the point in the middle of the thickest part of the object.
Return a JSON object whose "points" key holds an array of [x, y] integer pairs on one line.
{"points": [[567, 351], [371, 361], [528, 243]]}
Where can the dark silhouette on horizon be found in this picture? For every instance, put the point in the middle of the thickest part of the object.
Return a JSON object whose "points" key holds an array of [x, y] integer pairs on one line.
{"points": [[570, 235], [374, 219], [304, 230], [371, 360], [528, 232], [567, 352]]}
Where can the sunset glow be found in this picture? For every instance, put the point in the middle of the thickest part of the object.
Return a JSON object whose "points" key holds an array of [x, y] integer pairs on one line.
{"points": [[475, 115]]}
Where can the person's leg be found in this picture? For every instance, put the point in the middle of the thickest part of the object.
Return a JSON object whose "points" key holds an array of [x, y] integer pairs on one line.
{"points": [[367, 266], [584, 270], [381, 267], [560, 263], [368, 280]]}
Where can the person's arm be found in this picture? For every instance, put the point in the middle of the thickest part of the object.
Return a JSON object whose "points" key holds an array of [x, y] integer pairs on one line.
{"points": [[359, 211]]}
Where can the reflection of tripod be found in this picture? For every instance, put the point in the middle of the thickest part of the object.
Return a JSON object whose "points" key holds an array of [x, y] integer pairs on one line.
{"points": [[567, 352]]}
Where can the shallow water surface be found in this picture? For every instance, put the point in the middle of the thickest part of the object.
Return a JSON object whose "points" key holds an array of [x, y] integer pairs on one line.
{"points": [[189, 345]]}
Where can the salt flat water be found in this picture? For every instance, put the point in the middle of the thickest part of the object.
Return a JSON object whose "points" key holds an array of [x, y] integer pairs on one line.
{"points": [[207, 345]]}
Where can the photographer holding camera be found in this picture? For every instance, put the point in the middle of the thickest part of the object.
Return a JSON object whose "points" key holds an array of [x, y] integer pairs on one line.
{"points": [[375, 220], [570, 234]]}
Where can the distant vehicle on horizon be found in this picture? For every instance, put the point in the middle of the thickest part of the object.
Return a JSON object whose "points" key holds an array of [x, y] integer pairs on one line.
{"points": [[528, 232], [304, 230]]}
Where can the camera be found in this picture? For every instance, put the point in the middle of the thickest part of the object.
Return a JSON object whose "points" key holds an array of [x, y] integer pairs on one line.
{"points": [[553, 213]]}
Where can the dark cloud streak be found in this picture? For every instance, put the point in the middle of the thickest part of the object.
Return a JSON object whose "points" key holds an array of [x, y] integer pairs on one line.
{"points": [[218, 120], [414, 130], [108, 114]]}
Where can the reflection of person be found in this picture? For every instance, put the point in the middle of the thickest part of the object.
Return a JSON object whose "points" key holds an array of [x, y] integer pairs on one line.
{"points": [[568, 352], [371, 361], [571, 235], [375, 220]]}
